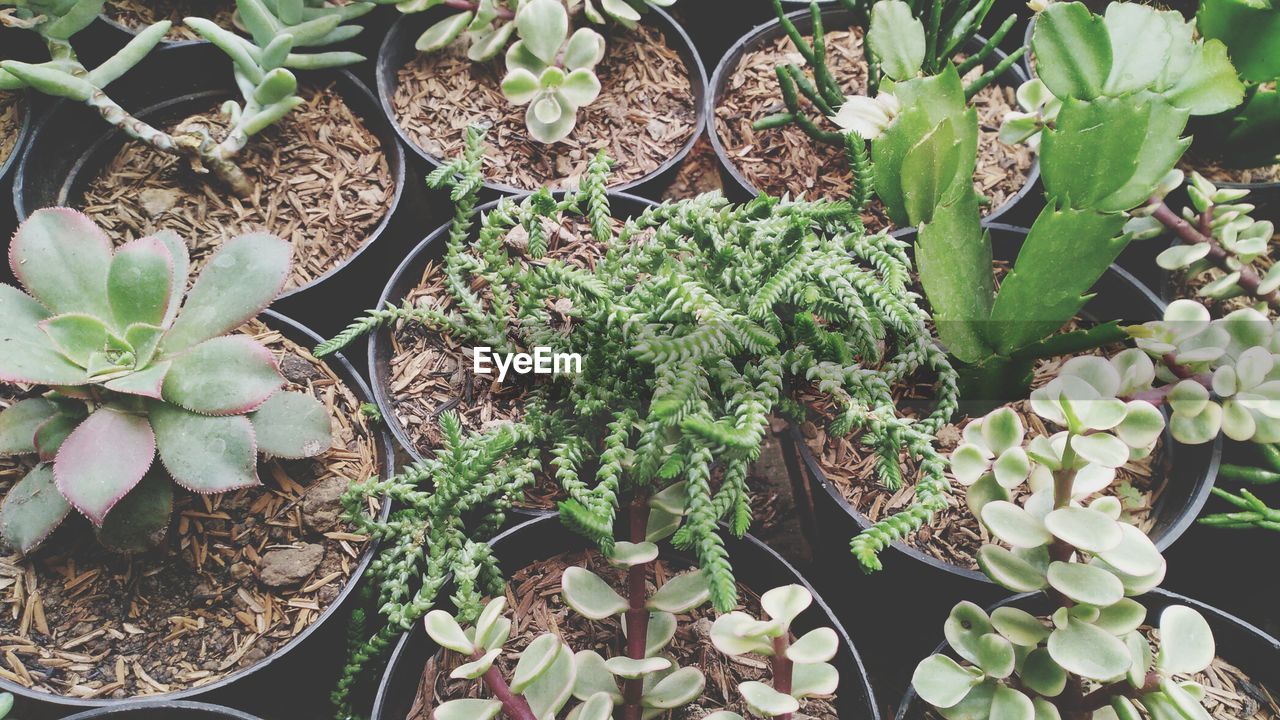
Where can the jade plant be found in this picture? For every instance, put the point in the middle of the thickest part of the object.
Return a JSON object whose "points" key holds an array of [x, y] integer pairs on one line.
{"points": [[799, 667], [692, 328], [548, 69], [134, 366], [901, 39], [1066, 538], [1120, 88], [1248, 136], [263, 70]]}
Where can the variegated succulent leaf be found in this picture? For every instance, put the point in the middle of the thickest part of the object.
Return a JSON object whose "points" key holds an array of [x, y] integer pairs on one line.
{"points": [[551, 71], [134, 370]]}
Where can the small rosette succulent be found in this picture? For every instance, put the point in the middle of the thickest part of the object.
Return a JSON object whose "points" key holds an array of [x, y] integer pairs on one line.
{"points": [[550, 71], [1222, 375], [801, 668], [133, 370], [1015, 666]]}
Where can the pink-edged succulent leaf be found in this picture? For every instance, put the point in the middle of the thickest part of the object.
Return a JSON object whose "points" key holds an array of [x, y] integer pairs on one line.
{"points": [[229, 375], [206, 454], [102, 460], [27, 355], [61, 257], [180, 265], [140, 282], [53, 432], [145, 340], [146, 383], [140, 521], [292, 425], [240, 279], [18, 424], [104, 366], [32, 510], [78, 336]]}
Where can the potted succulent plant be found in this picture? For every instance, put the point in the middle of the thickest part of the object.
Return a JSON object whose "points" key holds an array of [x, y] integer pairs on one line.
{"points": [[557, 81], [136, 412], [686, 348], [779, 126], [250, 145]]}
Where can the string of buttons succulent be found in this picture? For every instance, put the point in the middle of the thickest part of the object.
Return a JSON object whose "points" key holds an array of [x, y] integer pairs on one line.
{"points": [[692, 328], [548, 68], [263, 65], [1092, 656], [139, 367]]}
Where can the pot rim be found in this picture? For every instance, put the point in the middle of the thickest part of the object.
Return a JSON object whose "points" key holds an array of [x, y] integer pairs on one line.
{"points": [[300, 334], [373, 342], [812, 470], [671, 29], [773, 29], [1167, 596], [819, 603], [24, 133], [349, 85], [107, 712]]}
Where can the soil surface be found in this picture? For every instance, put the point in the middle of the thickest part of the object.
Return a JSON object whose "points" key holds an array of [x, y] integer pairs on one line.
{"points": [[12, 111], [1220, 174], [137, 14], [645, 114], [1186, 285], [238, 576], [535, 606], [321, 180], [786, 160]]}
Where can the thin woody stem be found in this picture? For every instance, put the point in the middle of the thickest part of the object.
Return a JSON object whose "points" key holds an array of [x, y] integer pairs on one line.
{"points": [[782, 668], [515, 706], [1249, 280], [637, 615]]}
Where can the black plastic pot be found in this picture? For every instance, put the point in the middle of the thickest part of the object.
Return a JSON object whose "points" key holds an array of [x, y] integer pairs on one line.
{"points": [[404, 280], [283, 684], [714, 28], [757, 567], [8, 218], [398, 49], [1192, 470], [164, 711], [1022, 207], [71, 144], [1238, 642]]}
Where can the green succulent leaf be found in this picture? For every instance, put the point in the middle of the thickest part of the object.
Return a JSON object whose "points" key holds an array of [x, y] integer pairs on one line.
{"points": [[61, 257], [543, 26], [814, 679], [447, 633], [27, 354], [467, 709], [140, 282], [681, 593], [553, 687], [1087, 584], [765, 701], [816, 646], [536, 660], [140, 521], [996, 655], [675, 690], [1089, 530], [1042, 674], [292, 425], [1186, 641], [443, 33], [18, 424], [32, 509], [1009, 570], [784, 604], [966, 625], [230, 375], [1014, 525], [735, 633], [1122, 617], [896, 37], [1073, 51], [589, 595], [942, 682], [632, 668], [92, 486], [1019, 626], [597, 707], [1009, 704], [593, 677], [205, 454], [1089, 651]]}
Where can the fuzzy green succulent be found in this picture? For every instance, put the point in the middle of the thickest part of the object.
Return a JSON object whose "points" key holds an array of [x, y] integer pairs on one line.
{"points": [[134, 370]]}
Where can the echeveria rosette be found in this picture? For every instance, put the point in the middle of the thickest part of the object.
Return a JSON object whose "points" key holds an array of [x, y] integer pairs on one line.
{"points": [[134, 371], [800, 667], [552, 84]]}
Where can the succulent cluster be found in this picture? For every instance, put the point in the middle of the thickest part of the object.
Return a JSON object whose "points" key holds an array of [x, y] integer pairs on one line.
{"points": [[1068, 539], [691, 327], [135, 369], [799, 667], [903, 38], [262, 69], [548, 69]]}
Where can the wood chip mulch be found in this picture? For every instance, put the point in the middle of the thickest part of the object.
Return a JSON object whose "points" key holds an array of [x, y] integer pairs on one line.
{"points": [[1189, 286], [787, 161], [535, 606], [1218, 173], [955, 535], [645, 113], [239, 575], [11, 113], [137, 14], [322, 183], [698, 174]]}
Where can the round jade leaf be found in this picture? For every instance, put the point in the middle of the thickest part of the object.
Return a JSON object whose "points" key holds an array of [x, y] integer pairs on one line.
{"points": [[1014, 525], [942, 682], [678, 688], [535, 661], [1101, 448], [630, 669], [1108, 505], [965, 625], [469, 709], [969, 463], [1124, 709], [1009, 704], [1134, 584], [681, 593], [1186, 641], [1142, 424], [1019, 626], [735, 634], [476, 668], [1088, 651], [1042, 674], [764, 700], [816, 679], [995, 656], [447, 633], [1012, 467], [784, 603], [593, 677], [1187, 704], [629, 554], [488, 625], [1001, 430], [589, 595], [816, 646], [985, 490], [1010, 571], [1121, 618], [1196, 429], [1085, 583], [1135, 554], [975, 706], [1046, 710], [1088, 530], [597, 707]]}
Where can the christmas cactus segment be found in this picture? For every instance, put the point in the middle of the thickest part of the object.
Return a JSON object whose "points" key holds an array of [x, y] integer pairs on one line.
{"points": [[137, 366], [549, 69], [1066, 539], [1109, 122], [263, 70]]}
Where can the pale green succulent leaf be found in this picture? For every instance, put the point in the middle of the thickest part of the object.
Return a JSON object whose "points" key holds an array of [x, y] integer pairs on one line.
{"points": [[942, 682], [1042, 674], [589, 595], [205, 454], [1186, 641], [447, 633], [32, 509], [1088, 651], [896, 37]]}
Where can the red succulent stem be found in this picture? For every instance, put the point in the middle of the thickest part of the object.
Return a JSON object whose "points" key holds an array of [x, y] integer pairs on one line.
{"points": [[1157, 396], [513, 706], [504, 13], [1203, 235], [782, 668], [637, 616]]}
